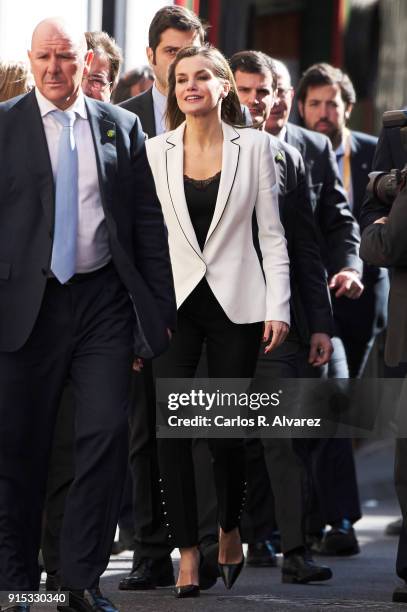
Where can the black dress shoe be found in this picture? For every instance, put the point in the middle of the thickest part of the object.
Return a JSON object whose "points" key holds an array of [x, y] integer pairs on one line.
{"points": [[208, 566], [229, 572], [400, 594], [394, 528], [148, 573], [188, 590], [340, 540], [261, 554], [16, 608], [300, 568]]}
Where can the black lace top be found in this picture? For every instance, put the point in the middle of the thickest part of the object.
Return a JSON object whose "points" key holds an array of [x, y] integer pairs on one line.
{"points": [[201, 200]]}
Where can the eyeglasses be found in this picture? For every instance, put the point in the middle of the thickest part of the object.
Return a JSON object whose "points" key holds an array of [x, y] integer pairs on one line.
{"points": [[97, 84]]}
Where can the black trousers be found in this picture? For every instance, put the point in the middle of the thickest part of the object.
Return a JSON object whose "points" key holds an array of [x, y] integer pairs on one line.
{"points": [[330, 462], [83, 332], [61, 473], [231, 353], [276, 475]]}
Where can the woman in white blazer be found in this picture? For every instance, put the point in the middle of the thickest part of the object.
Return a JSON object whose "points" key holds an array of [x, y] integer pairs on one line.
{"points": [[210, 178]]}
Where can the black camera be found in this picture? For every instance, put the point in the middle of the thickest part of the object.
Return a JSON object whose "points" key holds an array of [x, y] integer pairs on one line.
{"points": [[385, 186]]}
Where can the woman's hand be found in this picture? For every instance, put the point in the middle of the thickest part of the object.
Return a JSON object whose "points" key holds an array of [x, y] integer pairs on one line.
{"points": [[278, 331]]}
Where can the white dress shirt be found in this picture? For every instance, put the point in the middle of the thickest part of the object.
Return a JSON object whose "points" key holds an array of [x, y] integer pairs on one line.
{"points": [[93, 243], [282, 134], [160, 106]]}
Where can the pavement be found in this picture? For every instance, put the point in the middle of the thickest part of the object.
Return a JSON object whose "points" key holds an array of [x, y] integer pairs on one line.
{"points": [[364, 582]]}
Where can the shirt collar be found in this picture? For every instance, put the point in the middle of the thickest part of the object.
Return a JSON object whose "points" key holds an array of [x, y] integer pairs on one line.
{"points": [[340, 150], [159, 99], [282, 134], [46, 106]]}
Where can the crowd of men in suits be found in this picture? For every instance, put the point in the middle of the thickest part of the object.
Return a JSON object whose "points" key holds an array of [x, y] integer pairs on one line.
{"points": [[322, 173]]}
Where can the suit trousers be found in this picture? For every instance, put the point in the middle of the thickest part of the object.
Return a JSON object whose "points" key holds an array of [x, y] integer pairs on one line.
{"points": [[61, 473], [333, 493], [84, 332], [276, 475], [231, 353]]}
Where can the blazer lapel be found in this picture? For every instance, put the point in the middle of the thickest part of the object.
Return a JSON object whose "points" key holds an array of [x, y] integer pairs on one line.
{"points": [[174, 163], [38, 156], [104, 138], [230, 160]]}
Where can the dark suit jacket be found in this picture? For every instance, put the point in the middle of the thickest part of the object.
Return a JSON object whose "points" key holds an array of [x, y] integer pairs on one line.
{"points": [[134, 221], [310, 304], [365, 317], [386, 245], [337, 229], [143, 106]]}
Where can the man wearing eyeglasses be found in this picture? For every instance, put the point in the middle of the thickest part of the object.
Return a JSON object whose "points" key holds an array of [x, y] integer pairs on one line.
{"points": [[104, 70]]}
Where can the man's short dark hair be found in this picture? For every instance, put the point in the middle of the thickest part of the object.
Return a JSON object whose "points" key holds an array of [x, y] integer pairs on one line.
{"points": [[101, 42], [322, 74], [177, 17], [254, 62]]}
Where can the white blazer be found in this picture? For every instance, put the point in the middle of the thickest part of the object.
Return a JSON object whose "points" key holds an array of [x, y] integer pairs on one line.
{"points": [[228, 260]]}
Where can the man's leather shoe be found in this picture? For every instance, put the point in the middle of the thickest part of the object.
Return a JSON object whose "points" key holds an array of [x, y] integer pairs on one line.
{"points": [[208, 566], [400, 594], [100, 603], [394, 528], [147, 574], [300, 568], [340, 540], [16, 608], [261, 554]]}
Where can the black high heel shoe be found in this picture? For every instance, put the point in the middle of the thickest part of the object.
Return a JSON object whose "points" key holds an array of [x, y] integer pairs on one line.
{"points": [[189, 590], [230, 572]]}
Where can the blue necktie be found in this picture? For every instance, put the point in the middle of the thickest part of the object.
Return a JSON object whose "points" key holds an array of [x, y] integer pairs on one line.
{"points": [[63, 260]]}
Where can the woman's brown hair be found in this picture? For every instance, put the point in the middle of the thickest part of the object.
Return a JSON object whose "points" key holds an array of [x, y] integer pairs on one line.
{"points": [[231, 111], [15, 79]]}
